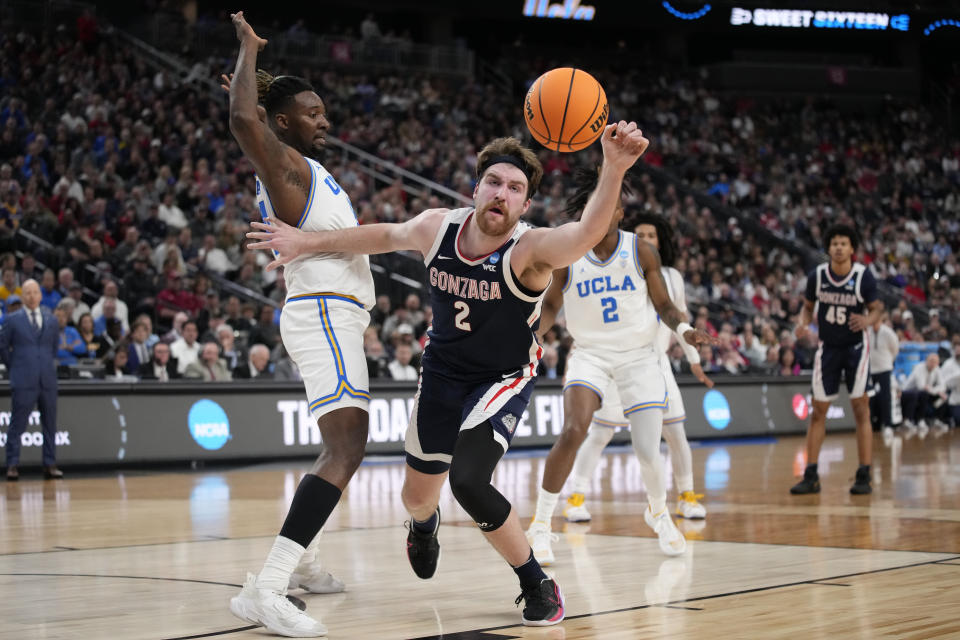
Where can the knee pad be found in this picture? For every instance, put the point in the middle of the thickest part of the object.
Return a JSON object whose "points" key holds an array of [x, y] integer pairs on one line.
{"points": [[471, 470]]}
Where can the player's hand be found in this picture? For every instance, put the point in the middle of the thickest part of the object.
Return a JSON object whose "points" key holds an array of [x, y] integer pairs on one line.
{"points": [[704, 379], [620, 151], [697, 337], [245, 32], [276, 235], [858, 322]]}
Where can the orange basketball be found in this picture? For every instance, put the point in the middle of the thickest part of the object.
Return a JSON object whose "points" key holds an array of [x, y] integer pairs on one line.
{"points": [[566, 109]]}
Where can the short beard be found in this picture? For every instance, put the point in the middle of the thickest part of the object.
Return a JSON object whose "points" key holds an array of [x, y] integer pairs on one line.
{"points": [[494, 229]]}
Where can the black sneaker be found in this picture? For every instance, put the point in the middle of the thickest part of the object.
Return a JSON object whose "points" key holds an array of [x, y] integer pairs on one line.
{"points": [[423, 550], [544, 604], [809, 484], [861, 484]]}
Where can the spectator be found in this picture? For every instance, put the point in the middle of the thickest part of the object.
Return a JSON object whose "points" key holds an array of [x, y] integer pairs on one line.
{"points": [[110, 338], [257, 366], [884, 348], [138, 351], [208, 367], [29, 270], [70, 345], [9, 284], [171, 215], [950, 372], [115, 366], [186, 349], [64, 281], [108, 312], [152, 338], [161, 366], [380, 312], [88, 334], [923, 387], [140, 284], [265, 332], [174, 299], [228, 350], [176, 329], [111, 292], [80, 307], [213, 258], [548, 363], [285, 368], [376, 354], [400, 368], [49, 296], [235, 315], [787, 364]]}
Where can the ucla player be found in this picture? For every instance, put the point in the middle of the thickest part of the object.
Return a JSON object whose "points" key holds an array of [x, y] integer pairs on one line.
{"points": [[322, 323], [841, 290], [614, 299], [488, 272], [654, 230]]}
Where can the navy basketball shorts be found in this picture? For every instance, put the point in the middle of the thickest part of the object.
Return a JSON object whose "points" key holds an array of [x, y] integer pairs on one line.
{"points": [[851, 362], [443, 407]]}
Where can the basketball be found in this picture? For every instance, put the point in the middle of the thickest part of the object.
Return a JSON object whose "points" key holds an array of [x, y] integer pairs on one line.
{"points": [[566, 109]]}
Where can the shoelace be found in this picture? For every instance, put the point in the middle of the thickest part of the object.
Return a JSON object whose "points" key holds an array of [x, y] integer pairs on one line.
{"points": [[690, 496]]}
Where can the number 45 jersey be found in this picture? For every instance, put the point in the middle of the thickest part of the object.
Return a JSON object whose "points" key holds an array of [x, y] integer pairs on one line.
{"points": [[606, 302], [484, 319], [836, 298]]}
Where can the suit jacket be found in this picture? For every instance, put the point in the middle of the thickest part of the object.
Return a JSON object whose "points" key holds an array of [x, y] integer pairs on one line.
{"points": [[199, 371], [145, 371], [242, 372], [133, 358], [30, 358]]}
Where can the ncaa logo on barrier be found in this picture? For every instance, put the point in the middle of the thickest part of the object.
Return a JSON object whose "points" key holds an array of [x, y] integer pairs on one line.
{"points": [[801, 408], [209, 424], [716, 409]]}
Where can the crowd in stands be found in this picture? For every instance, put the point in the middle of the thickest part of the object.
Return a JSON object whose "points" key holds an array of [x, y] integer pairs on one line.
{"points": [[140, 198]]}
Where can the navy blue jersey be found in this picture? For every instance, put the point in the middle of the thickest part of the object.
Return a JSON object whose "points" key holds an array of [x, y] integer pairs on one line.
{"points": [[484, 320], [837, 298]]}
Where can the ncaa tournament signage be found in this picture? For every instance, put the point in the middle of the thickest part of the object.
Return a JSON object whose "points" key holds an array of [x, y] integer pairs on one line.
{"points": [[818, 19], [156, 422]]}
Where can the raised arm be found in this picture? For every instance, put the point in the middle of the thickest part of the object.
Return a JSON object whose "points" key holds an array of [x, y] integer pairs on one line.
{"points": [[552, 301], [284, 170], [541, 251], [657, 290], [416, 234]]}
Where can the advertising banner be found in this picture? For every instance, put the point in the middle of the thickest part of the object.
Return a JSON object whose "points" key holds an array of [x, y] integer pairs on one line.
{"points": [[156, 422]]}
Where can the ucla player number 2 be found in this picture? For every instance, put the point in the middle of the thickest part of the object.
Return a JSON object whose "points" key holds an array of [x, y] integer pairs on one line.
{"points": [[609, 310]]}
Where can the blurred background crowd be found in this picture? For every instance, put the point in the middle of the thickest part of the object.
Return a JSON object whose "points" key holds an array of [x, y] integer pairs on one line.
{"points": [[123, 193]]}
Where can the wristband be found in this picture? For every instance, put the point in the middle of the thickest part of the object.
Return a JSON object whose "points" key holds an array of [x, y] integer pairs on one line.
{"points": [[682, 328]]}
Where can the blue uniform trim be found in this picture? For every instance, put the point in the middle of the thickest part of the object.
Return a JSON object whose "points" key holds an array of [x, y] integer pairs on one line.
{"points": [[343, 385], [636, 261], [325, 296], [600, 422], [612, 255], [569, 278], [646, 405], [584, 383], [313, 190]]}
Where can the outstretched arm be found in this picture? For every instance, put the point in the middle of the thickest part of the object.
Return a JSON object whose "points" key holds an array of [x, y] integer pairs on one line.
{"points": [[657, 290], [541, 251], [416, 234]]}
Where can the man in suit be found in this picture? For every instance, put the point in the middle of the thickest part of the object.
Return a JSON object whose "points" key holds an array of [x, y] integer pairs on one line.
{"points": [[28, 346], [257, 365], [138, 354], [161, 367], [209, 367]]}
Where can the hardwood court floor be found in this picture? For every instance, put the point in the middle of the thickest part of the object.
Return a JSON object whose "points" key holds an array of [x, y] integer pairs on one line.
{"points": [[158, 555]]}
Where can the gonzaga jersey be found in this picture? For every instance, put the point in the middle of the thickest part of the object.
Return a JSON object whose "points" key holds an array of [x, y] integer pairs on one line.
{"points": [[837, 298], [484, 320], [328, 207], [606, 302]]}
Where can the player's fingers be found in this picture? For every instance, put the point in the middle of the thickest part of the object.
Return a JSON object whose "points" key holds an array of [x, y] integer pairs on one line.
{"points": [[608, 131], [273, 265], [630, 127], [260, 225], [263, 244], [277, 222]]}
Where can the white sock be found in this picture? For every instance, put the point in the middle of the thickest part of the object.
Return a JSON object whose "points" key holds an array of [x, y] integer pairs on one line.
{"points": [[546, 503], [281, 561], [588, 457], [680, 456], [645, 429], [310, 555]]}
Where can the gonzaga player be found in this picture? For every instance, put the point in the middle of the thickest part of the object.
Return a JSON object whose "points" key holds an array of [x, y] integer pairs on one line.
{"points": [[322, 323], [841, 290], [614, 299], [653, 229]]}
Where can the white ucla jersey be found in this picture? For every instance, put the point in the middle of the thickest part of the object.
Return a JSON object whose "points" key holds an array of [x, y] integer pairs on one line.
{"points": [[675, 290], [328, 207], [606, 303]]}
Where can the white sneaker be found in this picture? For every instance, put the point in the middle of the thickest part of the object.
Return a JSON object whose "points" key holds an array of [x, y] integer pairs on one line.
{"points": [[272, 610], [672, 542], [574, 511], [922, 429], [540, 538], [689, 507], [888, 436], [315, 579], [909, 429]]}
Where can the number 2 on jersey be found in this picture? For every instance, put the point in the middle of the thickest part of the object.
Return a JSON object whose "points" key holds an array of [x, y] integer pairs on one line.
{"points": [[836, 315], [463, 310], [609, 310]]}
